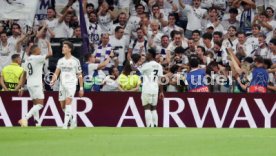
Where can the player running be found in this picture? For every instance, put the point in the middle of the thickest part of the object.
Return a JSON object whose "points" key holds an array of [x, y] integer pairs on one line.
{"points": [[69, 70], [33, 72], [151, 73]]}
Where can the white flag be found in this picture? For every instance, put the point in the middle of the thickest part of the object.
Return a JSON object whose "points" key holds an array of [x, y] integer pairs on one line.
{"points": [[18, 9]]}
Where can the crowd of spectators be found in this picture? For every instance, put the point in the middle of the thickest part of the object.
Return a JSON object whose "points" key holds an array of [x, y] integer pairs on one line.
{"points": [[232, 39]]}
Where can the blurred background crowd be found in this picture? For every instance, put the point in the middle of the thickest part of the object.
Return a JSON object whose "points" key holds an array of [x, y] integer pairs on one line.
{"points": [[233, 39]]}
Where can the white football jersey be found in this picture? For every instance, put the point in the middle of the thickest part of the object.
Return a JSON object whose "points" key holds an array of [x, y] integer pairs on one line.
{"points": [[69, 68], [151, 71], [33, 67]]}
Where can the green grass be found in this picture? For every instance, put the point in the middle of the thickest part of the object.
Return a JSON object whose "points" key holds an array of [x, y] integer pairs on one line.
{"points": [[49, 141]]}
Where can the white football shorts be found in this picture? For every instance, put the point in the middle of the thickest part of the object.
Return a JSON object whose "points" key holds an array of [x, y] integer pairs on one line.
{"points": [[36, 92], [151, 99], [67, 91]]}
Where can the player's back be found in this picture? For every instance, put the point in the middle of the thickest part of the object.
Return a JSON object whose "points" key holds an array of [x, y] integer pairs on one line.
{"points": [[151, 71], [34, 68]]}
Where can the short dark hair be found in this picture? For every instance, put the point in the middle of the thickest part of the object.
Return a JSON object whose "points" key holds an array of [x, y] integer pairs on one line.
{"points": [[69, 44], [273, 41], [264, 14], [152, 51], [179, 50], [15, 56], [165, 36], [233, 27], [256, 26], [155, 6], [268, 62], [202, 48], [196, 31], [217, 33], [118, 28], [194, 61], [15, 24], [207, 36], [32, 49], [87, 56], [259, 59], [248, 60], [218, 43], [89, 5], [135, 57], [269, 8], [241, 33], [233, 10], [137, 5]]}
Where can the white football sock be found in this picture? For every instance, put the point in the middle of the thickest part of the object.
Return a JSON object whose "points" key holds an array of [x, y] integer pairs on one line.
{"points": [[36, 113], [154, 117], [68, 114], [148, 117], [34, 109]]}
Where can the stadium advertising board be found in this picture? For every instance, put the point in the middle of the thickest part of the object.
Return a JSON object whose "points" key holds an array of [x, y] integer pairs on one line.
{"points": [[125, 110]]}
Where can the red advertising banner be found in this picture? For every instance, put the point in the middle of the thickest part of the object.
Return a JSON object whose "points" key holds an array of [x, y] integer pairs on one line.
{"points": [[125, 109]]}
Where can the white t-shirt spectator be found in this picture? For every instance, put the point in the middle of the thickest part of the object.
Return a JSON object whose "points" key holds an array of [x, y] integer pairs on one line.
{"points": [[105, 22], [121, 47], [195, 15]]}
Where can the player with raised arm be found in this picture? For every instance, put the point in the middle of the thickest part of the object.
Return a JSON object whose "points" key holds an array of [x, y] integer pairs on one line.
{"points": [[152, 73], [69, 71], [33, 72]]}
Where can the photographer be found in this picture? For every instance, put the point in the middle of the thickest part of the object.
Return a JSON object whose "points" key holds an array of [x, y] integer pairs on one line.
{"points": [[119, 43]]}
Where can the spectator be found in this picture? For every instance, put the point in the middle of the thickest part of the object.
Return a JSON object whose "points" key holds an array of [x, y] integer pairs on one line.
{"points": [[232, 20], [11, 74], [77, 32], [139, 45], [191, 50], [171, 26], [244, 49], [253, 39], [94, 30], [247, 15], [5, 51], [195, 15], [197, 39], [178, 41], [259, 81], [263, 49], [110, 83], [196, 77], [119, 43], [212, 20], [105, 49], [231, 39], [208, 43], [217, 36], [263, 21], [106, 16], [154, 35], [93, 74], [272, 56]]}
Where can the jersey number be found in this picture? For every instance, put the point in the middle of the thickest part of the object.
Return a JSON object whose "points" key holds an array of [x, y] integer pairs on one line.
{"points": [[30, 68], [155, 74]]}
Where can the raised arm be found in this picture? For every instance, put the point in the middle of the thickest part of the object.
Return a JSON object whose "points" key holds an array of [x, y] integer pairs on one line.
{"points": [[181, 4]]}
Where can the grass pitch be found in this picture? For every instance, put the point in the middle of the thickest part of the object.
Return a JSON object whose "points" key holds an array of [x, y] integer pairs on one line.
{"points": [[49, 141]]}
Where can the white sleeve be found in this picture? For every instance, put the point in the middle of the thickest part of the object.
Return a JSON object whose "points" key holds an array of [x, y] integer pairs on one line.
{"points": [[92, 67], [78, 67], [143, 68], [58, 64], [41, 58], [160, 73]]}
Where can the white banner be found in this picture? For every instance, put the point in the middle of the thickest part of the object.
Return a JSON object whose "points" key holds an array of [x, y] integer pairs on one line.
{"points": [[18, 9]]}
